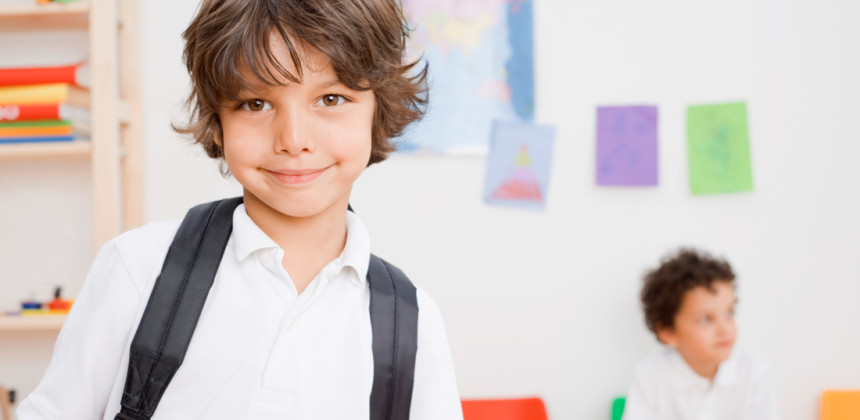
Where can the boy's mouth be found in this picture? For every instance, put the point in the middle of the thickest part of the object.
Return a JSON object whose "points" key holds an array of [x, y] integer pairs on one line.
{"points": [[297, 176], [724, 343]]}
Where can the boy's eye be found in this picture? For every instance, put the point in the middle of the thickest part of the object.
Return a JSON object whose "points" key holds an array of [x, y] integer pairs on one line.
{"points": [[331, 100], [256, 105], [704, 319]]}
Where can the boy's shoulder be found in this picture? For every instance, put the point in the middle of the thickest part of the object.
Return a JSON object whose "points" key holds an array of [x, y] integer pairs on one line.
{"points": [[656, 364], [745, 367], [142, 250], [666, 363], [147, 239]]}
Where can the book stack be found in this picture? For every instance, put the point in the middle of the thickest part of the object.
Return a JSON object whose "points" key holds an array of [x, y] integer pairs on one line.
{"points": [[43, 104], [54, 1]]}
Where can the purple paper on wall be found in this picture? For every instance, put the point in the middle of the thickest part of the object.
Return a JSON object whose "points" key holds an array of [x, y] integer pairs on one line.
{"points": [[627, 145]]}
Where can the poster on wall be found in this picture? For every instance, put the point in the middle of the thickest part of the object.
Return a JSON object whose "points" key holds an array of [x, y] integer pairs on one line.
{"points": [[718, 149], [518, 165], [626, 146], [480, 57]]}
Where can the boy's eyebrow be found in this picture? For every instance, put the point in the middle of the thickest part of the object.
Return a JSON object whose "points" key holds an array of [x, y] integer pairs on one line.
{"points": [[254, 87], [329, 83], [263, 88]]}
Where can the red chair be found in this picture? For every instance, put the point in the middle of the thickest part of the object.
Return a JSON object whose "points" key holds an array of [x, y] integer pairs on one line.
{"points": [[504, 409]]}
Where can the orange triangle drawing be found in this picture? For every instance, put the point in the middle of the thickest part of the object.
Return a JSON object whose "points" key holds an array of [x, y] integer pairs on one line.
{"points": [[521, 184]]}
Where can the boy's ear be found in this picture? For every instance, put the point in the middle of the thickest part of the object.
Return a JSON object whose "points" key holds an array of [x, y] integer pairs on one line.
{"points": [[666, 335]]}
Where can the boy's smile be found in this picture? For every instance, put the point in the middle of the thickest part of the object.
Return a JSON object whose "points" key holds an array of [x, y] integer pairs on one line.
{"points": [[297, 176], [297, 148]]}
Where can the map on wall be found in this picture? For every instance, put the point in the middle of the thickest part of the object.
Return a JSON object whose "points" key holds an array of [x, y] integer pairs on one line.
{"points": [[480, 56]]}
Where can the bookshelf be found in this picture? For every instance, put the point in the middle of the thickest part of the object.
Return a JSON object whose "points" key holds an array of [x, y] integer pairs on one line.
{"points": [[32, 16], [31, 151], [113, 150], [51, 323]]}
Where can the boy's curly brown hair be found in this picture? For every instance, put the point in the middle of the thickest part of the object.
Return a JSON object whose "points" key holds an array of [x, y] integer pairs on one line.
{"points": [[365, 41], [664, 288]]}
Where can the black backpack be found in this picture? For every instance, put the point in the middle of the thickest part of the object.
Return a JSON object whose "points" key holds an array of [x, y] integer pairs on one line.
{"points": [[177, 298]]}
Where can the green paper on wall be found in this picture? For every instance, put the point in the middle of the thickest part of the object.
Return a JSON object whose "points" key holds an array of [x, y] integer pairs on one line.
{"points": [[718, 149]]}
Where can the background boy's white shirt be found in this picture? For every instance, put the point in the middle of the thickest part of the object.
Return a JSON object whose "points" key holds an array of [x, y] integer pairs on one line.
{"points": [[665, 387], [260, 350]]}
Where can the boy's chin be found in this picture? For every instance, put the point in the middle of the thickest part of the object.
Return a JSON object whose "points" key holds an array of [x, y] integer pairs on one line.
{"points": [[721, 354], [300, 211], [296, 206]]}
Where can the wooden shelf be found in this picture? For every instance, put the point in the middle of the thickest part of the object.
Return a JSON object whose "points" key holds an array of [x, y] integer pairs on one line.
{"points": [[57, 150], [32, 16], [32, 323]]}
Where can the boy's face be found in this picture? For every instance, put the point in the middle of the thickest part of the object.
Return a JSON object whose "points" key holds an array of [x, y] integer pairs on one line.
{"points": [[297, 149], [704, 331]]}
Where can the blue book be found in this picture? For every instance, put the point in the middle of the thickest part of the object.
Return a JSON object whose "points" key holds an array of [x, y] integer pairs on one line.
{"points": [[43, 139]]}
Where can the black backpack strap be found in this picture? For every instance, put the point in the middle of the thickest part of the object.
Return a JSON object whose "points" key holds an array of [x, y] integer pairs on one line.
{"points": [[177, 299], [174, 306], [394, 322]]}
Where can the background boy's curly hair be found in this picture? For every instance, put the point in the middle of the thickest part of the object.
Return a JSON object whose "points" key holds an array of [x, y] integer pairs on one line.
{"points": [[664, 287], [364, 40]]}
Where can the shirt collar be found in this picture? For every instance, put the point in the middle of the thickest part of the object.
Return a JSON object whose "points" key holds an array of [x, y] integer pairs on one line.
{"points": [[687, 377], [356, 252], [247, 238]]}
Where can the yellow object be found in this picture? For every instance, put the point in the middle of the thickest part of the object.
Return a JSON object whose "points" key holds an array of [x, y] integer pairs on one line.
{"points": [[840, 405], [34, 94], [29, 312], [523, 159]]}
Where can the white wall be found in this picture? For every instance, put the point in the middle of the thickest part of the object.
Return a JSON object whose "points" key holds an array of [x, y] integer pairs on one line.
{"points": [[544, 303]]}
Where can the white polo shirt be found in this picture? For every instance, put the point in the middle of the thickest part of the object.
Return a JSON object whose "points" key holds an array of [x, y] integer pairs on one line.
{"points": [[664, 387], [260, 351]]}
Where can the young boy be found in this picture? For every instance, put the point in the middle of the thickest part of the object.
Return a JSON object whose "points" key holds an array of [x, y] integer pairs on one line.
{"points": [[689, 303], [297, 97]]}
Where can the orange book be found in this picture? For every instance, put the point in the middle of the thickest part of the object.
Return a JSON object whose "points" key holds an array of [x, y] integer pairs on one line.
{"points": [[24, 129], [35, 131]]}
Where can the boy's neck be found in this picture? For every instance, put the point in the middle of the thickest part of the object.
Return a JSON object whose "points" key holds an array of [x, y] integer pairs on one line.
{"points": [[309, 243], [707, 370]]}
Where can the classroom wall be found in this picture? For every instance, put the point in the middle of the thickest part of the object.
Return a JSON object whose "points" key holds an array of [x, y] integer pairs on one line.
{"points": [[545, 303]]}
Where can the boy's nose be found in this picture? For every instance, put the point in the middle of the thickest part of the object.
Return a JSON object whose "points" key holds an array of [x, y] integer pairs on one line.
{"points": [[726, 326], [292, 134]]}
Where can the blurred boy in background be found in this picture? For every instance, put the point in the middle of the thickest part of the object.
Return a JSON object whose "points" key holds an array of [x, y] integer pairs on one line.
{"points": [[689, 303]]}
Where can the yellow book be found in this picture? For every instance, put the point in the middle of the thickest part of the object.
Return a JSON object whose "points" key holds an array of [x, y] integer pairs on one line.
{"points": [[43, 94]]}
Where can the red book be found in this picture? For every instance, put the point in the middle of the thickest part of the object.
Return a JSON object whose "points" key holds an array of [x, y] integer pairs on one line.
{"points": [[29, 112], [77, 74], [42, 112]]}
